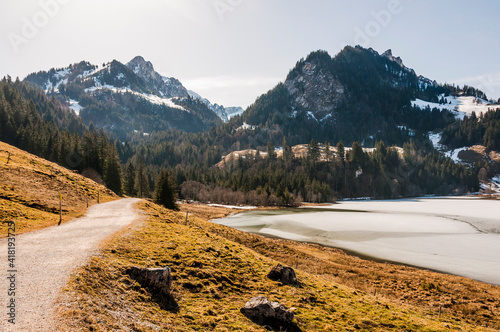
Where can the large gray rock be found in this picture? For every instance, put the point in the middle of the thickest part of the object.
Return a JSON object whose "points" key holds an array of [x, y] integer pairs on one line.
{"points": [[264, 312], [159, 279], [284, 274]]}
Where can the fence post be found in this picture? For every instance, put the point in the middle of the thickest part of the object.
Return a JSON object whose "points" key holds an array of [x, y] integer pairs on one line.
{"points": [[87, 200], [60, 209], [97, 197], [187, 217]]}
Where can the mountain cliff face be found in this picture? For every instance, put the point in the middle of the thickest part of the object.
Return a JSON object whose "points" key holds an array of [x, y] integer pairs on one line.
{"points": [[127, 98], [314, 88]]}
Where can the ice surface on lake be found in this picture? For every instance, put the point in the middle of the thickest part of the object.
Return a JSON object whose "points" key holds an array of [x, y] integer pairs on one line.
{"points": [[455, 235]]}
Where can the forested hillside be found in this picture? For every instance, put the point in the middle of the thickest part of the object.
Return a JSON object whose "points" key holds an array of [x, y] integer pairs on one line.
{"points": [[31, 121], [126, 98], [356, 100]]}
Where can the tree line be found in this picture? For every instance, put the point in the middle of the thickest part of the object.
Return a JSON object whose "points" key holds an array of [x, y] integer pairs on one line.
{"points": [[472, 130], [170, 164]]}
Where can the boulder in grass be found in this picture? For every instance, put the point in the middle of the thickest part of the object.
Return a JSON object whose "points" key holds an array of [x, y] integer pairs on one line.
{"points": [[158, 280], [266, 313], [284, 274]]}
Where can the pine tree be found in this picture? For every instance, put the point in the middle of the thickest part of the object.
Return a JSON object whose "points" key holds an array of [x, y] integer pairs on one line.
{"points": [[113, 172], [270, 151], [165, 191], [287, 152], [341, 151], [313, 151], [129, 180], [357, 156], [328, 153], [141, 180]]}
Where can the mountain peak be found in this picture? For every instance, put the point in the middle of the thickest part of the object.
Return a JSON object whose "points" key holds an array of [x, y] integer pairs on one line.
{"points": [[388, 54], [141, 66]]}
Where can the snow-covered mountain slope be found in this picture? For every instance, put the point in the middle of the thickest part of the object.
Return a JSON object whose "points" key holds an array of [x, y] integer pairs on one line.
{"points": [[126, 97], [165, 86], [461, 106]]}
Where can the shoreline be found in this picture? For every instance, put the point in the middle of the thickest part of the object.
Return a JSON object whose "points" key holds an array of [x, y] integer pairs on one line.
{"points": [[434, 242]]}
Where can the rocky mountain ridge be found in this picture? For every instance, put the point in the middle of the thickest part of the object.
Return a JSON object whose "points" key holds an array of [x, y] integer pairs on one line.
{"points": [[132, 97]]}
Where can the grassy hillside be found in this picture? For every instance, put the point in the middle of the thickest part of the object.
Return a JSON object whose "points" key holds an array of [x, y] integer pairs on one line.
{"points": [[30, 187], [214, 276]]}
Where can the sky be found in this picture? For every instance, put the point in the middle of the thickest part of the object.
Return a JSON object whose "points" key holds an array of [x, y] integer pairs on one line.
{"points": [[232, 51]]}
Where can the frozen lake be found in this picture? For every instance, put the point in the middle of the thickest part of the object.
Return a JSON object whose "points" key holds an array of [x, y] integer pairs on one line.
{"points": [[456, 235]]}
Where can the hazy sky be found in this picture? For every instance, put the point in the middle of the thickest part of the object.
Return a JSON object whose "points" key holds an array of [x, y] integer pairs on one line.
{"points": [[231, 51]]}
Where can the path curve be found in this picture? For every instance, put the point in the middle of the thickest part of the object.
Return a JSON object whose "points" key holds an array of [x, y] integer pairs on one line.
{"points": [[46, 258]]}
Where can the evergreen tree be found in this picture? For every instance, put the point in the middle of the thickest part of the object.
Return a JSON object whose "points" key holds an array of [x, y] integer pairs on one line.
{"points": [[129, 180], [287, 152], [141, 180], [270, 151], [357, 156], [328, 153], [113, 172], [341, 151], [165, 191], [313, 151]]}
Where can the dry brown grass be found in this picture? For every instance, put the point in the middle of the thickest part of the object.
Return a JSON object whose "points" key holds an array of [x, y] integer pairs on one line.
{"points": [[30, 187], [459, 298], [213, 278]]}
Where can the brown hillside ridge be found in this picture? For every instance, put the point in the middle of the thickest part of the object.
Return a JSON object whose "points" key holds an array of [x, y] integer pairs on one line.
{"points": [[479, 153], [299, 151], [30, 187], [216, 270]]}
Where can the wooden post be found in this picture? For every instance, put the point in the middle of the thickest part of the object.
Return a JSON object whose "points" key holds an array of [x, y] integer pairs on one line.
{"points": [[60, 209], [8, 158], [439, 315], [87, 200], [187, 217], [97, 197]]}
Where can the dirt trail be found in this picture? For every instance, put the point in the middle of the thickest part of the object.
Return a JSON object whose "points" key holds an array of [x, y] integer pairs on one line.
{"points": [[45, 259]]}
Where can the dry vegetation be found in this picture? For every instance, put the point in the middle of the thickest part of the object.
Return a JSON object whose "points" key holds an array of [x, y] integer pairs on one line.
{"points": [[214, 275], [299, 151], [459, 298], [30, 189]]}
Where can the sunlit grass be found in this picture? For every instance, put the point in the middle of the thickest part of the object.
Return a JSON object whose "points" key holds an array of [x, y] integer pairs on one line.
{"points": [[30, 188], [213, 279]]}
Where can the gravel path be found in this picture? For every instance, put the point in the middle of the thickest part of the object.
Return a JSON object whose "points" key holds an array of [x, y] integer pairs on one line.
{"points": [[45, 259]]}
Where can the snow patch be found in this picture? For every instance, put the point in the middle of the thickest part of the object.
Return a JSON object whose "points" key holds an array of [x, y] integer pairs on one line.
{"points": [[245, 126], [327, 116], [461, 106], [453, 154], [149, 97], [75, 106], [435, 138], [311, 116]]}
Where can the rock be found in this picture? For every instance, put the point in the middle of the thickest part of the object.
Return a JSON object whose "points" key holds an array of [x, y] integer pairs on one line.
{"points": [[315, 89], [159, 279], [264, 312], [284, 274]]}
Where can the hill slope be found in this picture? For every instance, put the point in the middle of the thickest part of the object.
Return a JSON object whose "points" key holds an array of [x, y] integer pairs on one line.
{"points": [[214, 275], [30, 188]]}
